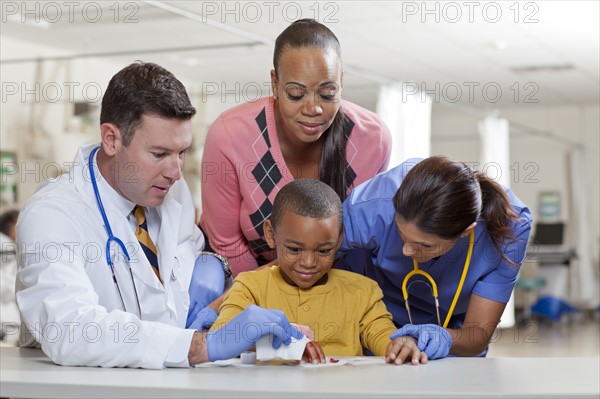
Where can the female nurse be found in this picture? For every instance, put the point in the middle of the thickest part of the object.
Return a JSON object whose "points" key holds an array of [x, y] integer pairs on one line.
{"points": [[436, 228], [305, 130]]}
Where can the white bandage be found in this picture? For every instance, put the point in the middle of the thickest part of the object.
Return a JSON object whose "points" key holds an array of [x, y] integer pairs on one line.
{"points": [[293, 351]]}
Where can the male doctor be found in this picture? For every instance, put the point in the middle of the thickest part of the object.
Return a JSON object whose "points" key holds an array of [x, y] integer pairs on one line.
{"points": [[127, 308]]}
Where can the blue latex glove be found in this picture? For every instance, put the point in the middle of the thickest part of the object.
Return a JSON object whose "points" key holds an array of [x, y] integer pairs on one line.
{"points": [[204, 319], [242, 332], [206, 285], [432, 339]]}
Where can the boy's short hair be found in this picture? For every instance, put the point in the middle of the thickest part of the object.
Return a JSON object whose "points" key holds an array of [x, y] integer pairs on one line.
{"points": [[309, 198]]}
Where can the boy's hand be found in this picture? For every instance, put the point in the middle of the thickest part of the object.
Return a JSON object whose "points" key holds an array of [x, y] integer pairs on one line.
{"points": [[313, 353], [404, 349], [304, 330]]}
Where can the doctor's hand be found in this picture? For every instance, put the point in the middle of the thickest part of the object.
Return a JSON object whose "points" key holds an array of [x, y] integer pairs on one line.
{"points": [[432, 339], [404, 349], [206, 285], [244, 330], [204, 319]]}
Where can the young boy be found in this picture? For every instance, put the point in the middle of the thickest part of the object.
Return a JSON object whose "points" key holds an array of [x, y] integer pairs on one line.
{"points": [[344, 310]]}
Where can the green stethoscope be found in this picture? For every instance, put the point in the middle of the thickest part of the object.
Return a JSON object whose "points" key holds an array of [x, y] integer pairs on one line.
{"points": [[434, 289]]}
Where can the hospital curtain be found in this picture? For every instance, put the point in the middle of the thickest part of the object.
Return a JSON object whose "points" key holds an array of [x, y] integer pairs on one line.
{"points": [[584, 283], [408, 115], [495, 162], [495, 149]]}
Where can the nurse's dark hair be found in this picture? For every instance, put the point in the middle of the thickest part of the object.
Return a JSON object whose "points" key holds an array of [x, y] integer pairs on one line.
{"points": [[143, 88], [443, 197], [333, 165], [309, 198]]}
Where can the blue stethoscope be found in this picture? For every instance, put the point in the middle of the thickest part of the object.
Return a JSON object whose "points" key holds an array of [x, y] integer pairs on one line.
{"points": [[112, 238]]}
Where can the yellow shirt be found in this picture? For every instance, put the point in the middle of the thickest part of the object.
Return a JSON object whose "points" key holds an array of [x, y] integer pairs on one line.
{"points": [[346, 313]]}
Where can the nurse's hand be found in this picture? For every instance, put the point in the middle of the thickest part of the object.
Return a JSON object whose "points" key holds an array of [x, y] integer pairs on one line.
{"points": [[404, 349], [244, 330], [432, 339], [206, 285]]}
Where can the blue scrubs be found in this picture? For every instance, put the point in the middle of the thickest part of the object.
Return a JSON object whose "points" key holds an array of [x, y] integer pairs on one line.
{"points": [[372, 246]]}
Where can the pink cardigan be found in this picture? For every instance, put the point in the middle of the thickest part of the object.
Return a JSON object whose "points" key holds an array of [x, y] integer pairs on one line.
{"points": [[243, 169]]}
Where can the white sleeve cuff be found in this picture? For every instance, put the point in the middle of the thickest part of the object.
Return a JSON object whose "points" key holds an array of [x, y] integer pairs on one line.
{"points": [[179, 350]]}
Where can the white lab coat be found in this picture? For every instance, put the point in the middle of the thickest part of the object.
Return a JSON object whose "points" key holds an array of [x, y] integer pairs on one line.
{"points": [[65, 290], [9, 313]]}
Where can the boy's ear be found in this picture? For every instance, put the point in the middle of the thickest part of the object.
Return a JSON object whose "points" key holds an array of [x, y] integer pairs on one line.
{"points": [[339, 243], [269, 234]]}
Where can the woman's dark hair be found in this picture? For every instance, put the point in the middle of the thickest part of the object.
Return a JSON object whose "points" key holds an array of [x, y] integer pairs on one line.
{"points": [[443, 197], [333, 166], [7, 220], [143, 88]]}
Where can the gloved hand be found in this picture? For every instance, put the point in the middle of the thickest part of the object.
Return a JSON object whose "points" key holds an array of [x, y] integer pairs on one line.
{"points": [[204, 319], [432, 339], [206, 285], [242, 332]]}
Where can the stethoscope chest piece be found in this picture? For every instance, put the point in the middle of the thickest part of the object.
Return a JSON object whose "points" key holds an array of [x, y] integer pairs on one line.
{"points": [[434, 288]]}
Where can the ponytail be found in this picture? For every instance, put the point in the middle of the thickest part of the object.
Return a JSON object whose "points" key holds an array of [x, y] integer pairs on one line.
{"points": [[334, 168], [497, 213]]}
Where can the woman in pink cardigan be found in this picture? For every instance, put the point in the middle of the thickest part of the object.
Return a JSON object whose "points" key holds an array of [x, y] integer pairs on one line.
{"points": [[305, 130]]}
